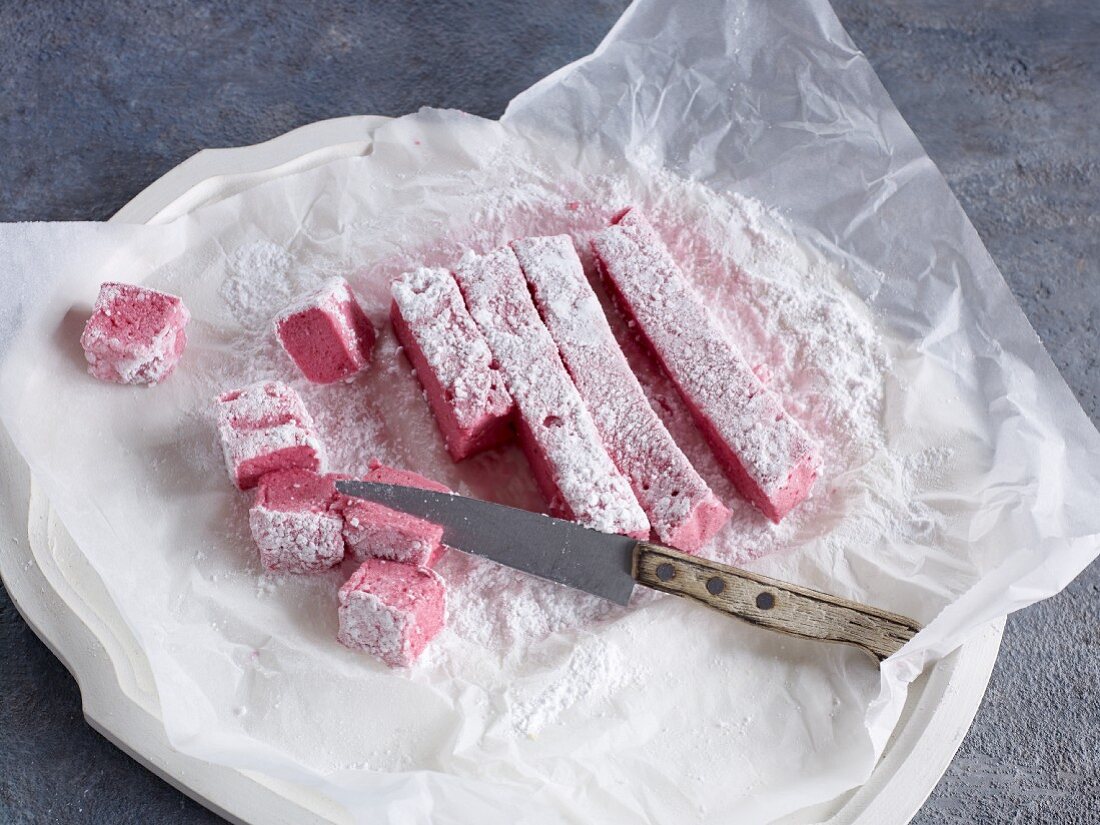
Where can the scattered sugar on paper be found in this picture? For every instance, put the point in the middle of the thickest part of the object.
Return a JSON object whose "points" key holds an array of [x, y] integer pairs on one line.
{"points": [[593, 671], [811, 339]]}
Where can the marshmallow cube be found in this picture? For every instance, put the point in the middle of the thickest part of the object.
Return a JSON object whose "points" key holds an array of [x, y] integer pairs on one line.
{"points": [[391, 610], [135, 335], [296, 521], [265, 427], [371, 530], [327, 335]]}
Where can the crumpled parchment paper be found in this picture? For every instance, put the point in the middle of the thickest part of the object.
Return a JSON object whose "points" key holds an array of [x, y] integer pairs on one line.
{"points": [[689, 715]]}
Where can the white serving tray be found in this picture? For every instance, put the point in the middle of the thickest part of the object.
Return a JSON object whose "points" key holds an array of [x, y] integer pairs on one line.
{"points": [[65, 603]]}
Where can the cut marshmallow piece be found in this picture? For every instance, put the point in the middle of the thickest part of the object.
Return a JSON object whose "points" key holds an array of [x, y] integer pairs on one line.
{"points": [[681, 507], [391, 610], [766, 453], [265, 427], [135, 335], [371, 530], [296, 521], [327, 335], [451, 361], [556, 430]]}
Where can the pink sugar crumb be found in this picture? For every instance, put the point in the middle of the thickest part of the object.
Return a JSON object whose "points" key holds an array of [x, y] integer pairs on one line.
{"points": [[265, 427], [766, 453], [391, 610], [296, 523], [135, 335], [327, 335], [557, 433], [371, 530], [452, 362], [683, 510]]}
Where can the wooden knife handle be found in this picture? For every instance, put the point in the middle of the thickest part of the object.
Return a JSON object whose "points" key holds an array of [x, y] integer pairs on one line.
{"points": [[776, 605]]}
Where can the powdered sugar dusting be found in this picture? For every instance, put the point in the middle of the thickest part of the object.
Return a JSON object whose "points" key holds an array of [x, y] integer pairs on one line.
{"points": [[594, 670], [788, 310], [261, 282]]}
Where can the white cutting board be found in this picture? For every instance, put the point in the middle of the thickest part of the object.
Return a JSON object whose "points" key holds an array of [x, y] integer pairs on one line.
{"points": [[64, 601]]}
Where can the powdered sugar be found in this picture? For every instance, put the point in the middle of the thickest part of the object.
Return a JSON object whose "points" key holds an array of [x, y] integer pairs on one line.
{"points": [[788, 311], [261, 282], [594, 670]]}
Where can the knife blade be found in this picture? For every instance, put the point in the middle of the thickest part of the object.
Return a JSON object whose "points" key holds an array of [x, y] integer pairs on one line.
{"points": [[550, 548], [609, 566]]}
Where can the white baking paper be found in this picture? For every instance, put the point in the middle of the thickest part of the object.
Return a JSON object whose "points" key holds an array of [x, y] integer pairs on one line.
{"points": [[973, 500]]}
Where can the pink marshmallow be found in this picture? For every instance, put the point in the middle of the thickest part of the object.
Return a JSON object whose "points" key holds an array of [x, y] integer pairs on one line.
{"points": [[265, 427], [327, 335], [681, 507], [296, 521], [371, 530], [135, 335], [452, 362], [391, 610], [766, 453], [556, 430]]}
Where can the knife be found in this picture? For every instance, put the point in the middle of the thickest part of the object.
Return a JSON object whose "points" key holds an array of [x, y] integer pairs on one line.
{"points": [[609, 566]]}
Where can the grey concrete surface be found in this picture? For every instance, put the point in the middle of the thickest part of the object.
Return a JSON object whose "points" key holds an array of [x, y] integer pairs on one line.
{"points": [[97, 100]]}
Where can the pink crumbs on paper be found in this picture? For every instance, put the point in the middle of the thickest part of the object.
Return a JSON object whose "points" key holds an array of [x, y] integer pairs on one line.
{"points": [[683, 510], [265, 427], [296, 521], [391, 610], [327, 335], [766, 453], [135, 335], [556, 430], [371, 530], [452, 362]]}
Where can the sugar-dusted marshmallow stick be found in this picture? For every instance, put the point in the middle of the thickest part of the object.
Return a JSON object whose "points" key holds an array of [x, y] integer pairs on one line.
{"points": [[766, 453], [327, 334], [681, 507], [265, 427], [296, 521], [452, 362], [391, 610], [372, 530], [556, 430], [135, 335]]}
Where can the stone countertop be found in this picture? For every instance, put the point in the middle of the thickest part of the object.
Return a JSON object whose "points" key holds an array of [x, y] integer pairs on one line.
{"points": [[98, 101]]}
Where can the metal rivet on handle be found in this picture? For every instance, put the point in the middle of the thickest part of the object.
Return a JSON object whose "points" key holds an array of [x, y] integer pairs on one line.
{"points": [[765, 601], [715, 585], [665, 571]]}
